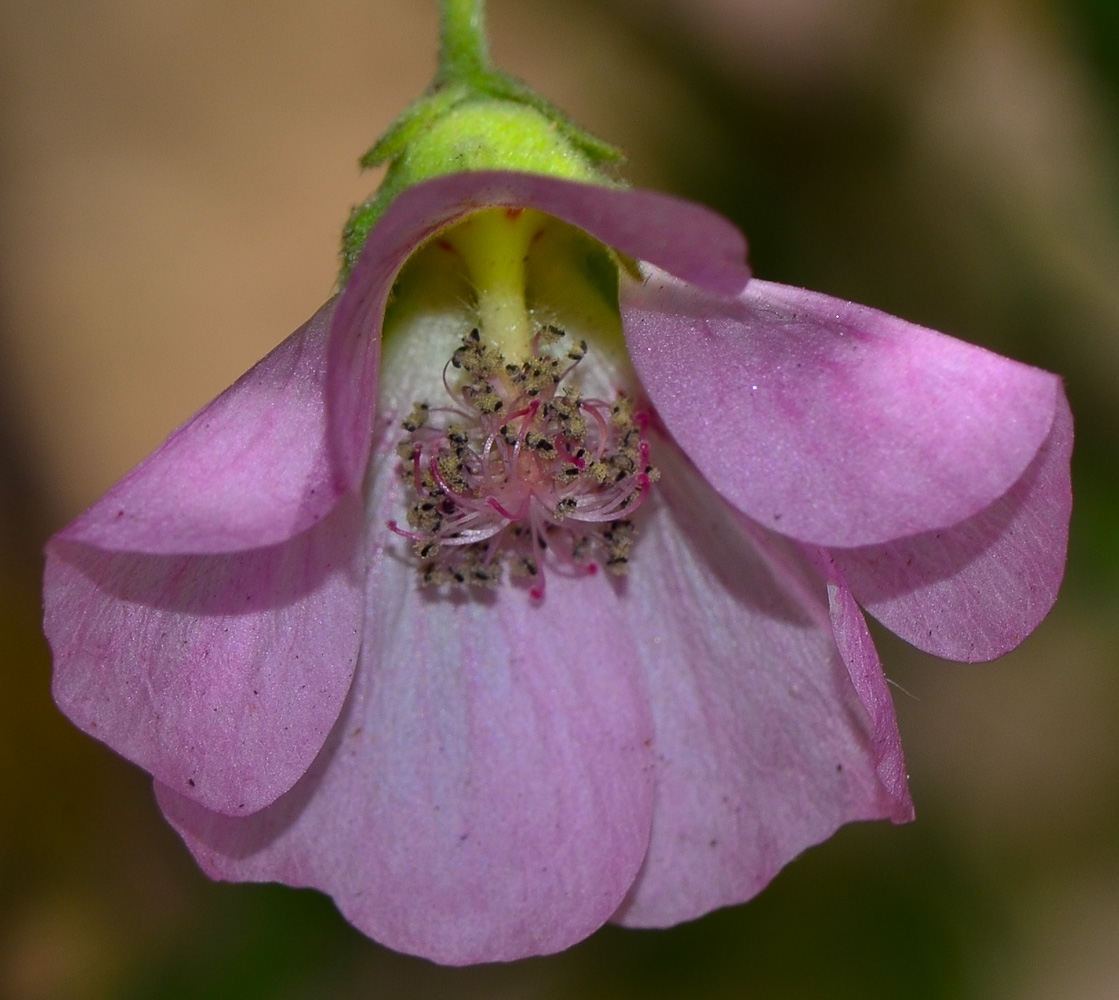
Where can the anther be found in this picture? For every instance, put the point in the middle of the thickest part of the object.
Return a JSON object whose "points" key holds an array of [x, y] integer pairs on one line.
{"points": [[521, 469]]}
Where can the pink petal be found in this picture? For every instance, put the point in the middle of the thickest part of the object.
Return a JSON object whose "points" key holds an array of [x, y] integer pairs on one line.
{"points": [[763, 744], [249, 470], [486, 793], [865, 669], [976, 590], [684, 238], [221, 675], [831, 422]]}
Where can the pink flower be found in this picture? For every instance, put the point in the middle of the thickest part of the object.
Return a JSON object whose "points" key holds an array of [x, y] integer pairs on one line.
{"points": [[477, 778]]}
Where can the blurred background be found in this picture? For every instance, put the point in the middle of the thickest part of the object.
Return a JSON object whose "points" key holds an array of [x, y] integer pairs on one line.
{"points": [[173, 178]]}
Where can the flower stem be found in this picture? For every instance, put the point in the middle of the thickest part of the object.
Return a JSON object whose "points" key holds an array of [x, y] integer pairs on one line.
{"points": [[463, 53]]}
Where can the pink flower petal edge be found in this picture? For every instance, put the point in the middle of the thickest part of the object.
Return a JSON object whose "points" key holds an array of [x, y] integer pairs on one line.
{"points": [[221, 675], [865, 670], [487, 791], [830, 422], [263, 438], [186, 652], [976, 590], [769, 735]]}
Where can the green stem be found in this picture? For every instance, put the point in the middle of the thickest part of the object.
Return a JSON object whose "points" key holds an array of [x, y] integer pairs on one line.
{"points": [[463, 54]]}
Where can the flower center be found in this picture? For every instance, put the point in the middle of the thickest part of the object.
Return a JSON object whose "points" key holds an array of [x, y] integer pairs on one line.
{"points": [[535, 460], [521, 468]]}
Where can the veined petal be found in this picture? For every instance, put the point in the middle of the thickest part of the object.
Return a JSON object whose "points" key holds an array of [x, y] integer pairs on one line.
{"points": [[249, 470], [976, 590], [486, 794], [763, 745], [222, 675], [682, 237], [830, 422]]}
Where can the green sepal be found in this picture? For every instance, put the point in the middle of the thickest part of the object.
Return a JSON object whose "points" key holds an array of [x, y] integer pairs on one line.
{"points": [[473, 117], [476, 133], [499, 86], [421, 113]]}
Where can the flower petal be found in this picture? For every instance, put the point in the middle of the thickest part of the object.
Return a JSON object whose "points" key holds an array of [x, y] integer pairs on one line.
{"points": [[830, 422], [486, 794], [763, 746], [865, 669], [250, 470], [976, 590], [221, 675], [684, 238]]}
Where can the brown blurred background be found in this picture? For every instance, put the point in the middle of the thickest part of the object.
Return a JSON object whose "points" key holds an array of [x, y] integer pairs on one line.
{"points": [[173, 178]]}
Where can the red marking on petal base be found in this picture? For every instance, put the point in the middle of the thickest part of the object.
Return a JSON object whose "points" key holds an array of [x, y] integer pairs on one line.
{"points": [[521, 471]]}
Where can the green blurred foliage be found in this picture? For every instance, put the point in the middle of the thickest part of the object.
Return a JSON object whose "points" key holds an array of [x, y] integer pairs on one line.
{"points": [[1097, 25]]}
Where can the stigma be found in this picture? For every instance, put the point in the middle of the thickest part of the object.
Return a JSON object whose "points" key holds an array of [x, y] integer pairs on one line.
{"points": [[518, 469]]}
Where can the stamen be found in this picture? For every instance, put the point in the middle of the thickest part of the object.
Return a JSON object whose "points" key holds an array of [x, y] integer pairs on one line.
{"points": [[521, 471]]}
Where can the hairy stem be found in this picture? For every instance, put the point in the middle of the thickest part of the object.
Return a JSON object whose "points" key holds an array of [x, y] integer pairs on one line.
{"points": [[463, 54]]}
